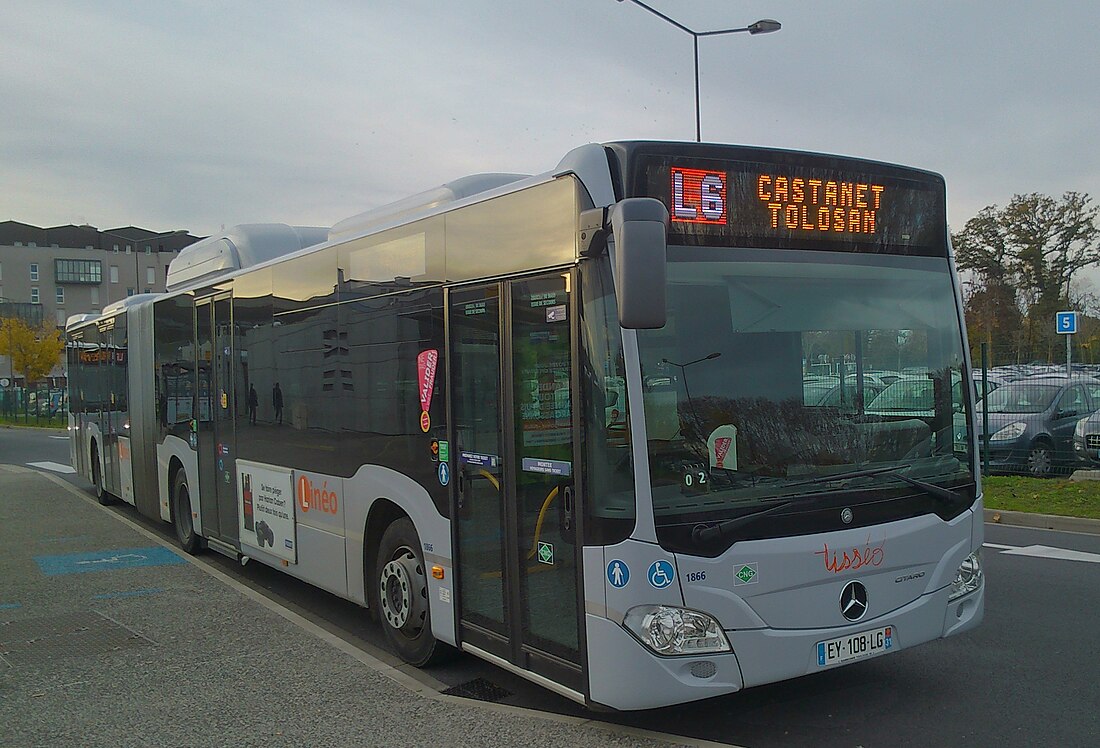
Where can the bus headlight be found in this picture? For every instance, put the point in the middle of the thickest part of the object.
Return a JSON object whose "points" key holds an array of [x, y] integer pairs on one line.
{"points": [[969, 576], [669, 630]]}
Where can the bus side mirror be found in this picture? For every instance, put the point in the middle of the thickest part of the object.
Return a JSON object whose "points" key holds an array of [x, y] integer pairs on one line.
{"points": [[640, 228]]}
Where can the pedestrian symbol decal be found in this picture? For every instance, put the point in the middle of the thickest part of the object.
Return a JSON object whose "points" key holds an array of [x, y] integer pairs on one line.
{"points": [[661, 574], [618, 574], [546, 553], [444, 473]]}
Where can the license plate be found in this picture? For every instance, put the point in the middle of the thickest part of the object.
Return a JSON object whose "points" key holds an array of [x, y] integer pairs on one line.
{"points": [[855, 646]]}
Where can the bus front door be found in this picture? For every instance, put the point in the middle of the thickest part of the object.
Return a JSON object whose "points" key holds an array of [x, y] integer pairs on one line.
{"points": [[512, 359], [216, 433]]}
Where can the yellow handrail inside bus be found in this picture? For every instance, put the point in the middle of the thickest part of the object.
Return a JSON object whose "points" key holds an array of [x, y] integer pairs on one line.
{"points": [[490, 477], [538, 524]]}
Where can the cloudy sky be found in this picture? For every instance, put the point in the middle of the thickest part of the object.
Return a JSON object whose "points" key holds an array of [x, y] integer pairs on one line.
{"points": [[195, 115]]}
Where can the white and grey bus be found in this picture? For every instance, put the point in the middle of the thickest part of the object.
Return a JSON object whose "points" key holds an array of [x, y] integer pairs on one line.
{"points": [[561, 421]]}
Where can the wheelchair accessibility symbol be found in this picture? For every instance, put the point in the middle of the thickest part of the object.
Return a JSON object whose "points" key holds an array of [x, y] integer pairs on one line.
{"points": [[661, 574]]}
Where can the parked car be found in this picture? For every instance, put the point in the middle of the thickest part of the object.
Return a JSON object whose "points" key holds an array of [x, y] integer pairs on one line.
{"points": [[827, 392], [992, 381], [1086, 441], [912, 396], [1032, 422]]}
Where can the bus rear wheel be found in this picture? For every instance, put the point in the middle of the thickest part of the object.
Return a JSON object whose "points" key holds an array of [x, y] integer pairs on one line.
{"points": [[401, 590], [181, 515]]}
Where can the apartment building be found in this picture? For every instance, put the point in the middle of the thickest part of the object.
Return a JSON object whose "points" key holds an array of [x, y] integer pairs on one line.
{"points": [[53, 273]]}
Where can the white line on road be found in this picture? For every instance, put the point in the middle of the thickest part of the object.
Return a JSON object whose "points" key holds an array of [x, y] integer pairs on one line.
{"points": [[60, 437], [56, 467], [1045, 551]]}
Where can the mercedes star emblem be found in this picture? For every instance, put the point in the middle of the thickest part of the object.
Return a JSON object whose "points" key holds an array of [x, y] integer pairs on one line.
{"points": [[853, 601], [846, 516]]}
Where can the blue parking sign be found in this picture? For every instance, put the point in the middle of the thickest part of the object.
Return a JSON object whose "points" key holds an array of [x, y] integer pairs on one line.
{"points": [[1066, 323]]}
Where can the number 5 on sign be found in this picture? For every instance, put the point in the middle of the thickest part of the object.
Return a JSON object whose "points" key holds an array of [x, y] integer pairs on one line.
{"points": [[1066, 323]]}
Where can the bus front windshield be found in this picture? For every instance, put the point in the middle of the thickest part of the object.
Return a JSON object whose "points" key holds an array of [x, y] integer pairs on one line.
{"points": [[763, 384]]}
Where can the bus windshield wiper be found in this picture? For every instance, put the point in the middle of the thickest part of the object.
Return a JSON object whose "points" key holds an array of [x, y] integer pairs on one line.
{"points": [[706, 533], [947, 496]]}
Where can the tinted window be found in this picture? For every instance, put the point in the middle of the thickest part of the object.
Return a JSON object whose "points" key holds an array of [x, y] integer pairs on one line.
{"points": [[174, 354]]}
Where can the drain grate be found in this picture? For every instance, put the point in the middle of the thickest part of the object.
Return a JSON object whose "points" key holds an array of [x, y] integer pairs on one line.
{"points": [[33, 641], [480, 689]]}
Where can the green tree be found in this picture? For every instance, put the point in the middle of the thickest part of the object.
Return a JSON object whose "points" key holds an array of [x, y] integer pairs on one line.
{"points": [[993, 317], [34, 351], [1026, 255]]}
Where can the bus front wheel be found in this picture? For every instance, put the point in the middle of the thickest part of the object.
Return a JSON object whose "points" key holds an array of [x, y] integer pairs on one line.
{"points": [[401, 589], [101, 493], [181, 515]]}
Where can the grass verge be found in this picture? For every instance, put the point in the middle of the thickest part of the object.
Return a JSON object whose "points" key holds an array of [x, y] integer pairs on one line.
{"points": [[1043, 496], [42, 423]]}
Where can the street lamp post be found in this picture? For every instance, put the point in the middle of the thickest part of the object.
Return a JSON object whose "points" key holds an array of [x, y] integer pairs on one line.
{"points": [[763, 26]]}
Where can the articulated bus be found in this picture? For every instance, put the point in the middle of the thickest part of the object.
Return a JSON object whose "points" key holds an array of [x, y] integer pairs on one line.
{"points": [[561, 421]]}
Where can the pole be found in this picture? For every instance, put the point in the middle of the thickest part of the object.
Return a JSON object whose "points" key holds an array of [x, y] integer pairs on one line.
{"points": [[1069, 366], [698, 127], [11, 371], [763, 26], [985, 408]]}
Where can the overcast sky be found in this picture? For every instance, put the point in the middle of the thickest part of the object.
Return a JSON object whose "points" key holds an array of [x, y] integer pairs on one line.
{"points": [[195, 115]]}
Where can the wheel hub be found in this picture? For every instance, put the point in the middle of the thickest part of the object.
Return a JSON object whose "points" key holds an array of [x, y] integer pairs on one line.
{"points": [[1039, 461], [401, 588]]}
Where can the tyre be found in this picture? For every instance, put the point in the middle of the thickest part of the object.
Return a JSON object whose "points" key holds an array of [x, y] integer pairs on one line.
{"points": [[188, 539], [101, 494], [1040, 460], [401, 590]]}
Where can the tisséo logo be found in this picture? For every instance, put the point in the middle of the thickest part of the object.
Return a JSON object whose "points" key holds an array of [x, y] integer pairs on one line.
{"points": [[316, 497]]}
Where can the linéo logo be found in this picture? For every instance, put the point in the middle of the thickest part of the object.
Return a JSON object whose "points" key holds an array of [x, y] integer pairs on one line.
{"points": [[314, 497]]}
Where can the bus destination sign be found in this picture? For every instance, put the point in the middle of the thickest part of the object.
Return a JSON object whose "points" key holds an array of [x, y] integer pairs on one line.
{"points": [[794, 203], [798, 206]]}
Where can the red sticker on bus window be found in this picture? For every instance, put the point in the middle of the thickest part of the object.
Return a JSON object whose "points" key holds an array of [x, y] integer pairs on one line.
{"points": [[426, 364]]}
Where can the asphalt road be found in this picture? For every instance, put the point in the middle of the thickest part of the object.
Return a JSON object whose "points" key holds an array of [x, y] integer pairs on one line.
{"points": [[1028, 676]]}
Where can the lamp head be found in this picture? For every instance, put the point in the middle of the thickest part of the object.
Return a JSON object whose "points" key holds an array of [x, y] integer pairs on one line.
{"points": [[765, 26]]}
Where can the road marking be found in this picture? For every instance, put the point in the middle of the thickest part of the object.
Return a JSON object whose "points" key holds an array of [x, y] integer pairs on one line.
{"points": [[1045, 551], [95, 561], [56, 467], [60, 437]]}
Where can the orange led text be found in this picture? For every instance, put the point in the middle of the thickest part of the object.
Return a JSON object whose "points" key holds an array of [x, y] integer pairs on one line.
{"points": [[800, 204]]}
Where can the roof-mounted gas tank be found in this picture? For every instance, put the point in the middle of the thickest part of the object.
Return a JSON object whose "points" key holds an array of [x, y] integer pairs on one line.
{"points": [[450, 192], [240, 247]]}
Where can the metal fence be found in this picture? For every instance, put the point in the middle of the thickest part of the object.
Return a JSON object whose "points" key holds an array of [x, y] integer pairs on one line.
{"points": [[34, 406], [1038, 417]]}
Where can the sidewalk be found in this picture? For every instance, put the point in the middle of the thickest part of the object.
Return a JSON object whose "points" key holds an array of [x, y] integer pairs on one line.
{"points": [[110, 638]]}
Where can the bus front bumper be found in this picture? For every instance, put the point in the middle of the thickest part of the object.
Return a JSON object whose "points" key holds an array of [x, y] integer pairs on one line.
{"points": [[625, 675]]}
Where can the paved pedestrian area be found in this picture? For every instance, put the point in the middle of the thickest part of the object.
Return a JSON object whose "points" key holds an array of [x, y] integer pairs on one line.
{"points": [[110, 638]]}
